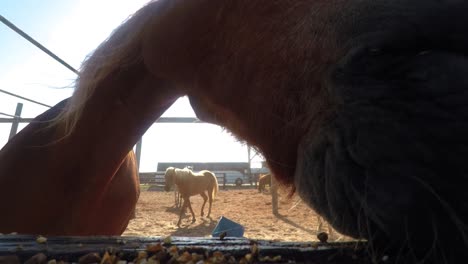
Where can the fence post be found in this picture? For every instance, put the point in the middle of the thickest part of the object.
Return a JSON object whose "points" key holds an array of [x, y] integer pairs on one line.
{"points": [[16, 119], [274, 195], [138, 152], [224, 181], [249, 170]]}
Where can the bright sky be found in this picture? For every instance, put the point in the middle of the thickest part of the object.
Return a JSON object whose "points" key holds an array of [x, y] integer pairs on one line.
{"points": [[73, 29]]}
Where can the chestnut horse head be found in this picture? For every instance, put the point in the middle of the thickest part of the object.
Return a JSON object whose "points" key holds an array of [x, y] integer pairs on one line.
{"points": [[360, 106]]}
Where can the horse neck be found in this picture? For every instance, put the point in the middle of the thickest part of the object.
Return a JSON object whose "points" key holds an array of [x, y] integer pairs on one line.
{"points": [[177, 182], [117, 99], [113, 119]]}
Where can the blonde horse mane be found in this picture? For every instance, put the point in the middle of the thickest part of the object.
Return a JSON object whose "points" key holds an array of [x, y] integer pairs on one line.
{"points": [[119, 51]]}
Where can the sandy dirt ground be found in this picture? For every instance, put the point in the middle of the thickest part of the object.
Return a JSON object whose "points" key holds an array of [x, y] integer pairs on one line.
{"points": [[156, 215]]}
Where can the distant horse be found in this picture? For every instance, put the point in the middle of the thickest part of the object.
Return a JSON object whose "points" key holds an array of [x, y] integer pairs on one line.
{"points": [[359, 106], [50, 185], [263, 181], [189, 184]]}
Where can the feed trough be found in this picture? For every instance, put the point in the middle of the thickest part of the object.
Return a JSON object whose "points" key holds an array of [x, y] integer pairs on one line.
{"points": [[21, 248]]}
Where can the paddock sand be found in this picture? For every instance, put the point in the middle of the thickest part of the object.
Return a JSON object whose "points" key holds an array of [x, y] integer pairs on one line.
{"points": [[156, 215]]}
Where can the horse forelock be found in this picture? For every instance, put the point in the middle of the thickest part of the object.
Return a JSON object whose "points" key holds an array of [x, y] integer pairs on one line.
{"points": [[120, 50]]}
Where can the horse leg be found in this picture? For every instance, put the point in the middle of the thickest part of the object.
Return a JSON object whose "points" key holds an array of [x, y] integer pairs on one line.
{"points": [[179, 199], [191, 210], [182, 210], [210, 201], [203, 195]]}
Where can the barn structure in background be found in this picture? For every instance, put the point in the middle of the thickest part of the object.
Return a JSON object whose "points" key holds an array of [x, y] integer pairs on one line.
{"points": [[211, 166]]}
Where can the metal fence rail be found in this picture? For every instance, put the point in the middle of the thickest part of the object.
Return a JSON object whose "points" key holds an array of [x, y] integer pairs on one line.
{"points": [[157, 178]]}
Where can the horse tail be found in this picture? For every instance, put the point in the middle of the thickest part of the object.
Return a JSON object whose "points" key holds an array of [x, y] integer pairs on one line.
{"points": [[121, 49], [214, 183]]}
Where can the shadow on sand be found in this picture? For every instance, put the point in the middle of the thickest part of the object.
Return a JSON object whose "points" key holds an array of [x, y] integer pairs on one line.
{"points": [[289, 222], [173, 209], [203, 226]]}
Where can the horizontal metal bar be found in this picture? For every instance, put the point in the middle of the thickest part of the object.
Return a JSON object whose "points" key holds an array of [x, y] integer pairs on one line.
{"points": [[10, 120], [5, 114], [37, 44], [178, 120], [24, 98], [160, 120]]}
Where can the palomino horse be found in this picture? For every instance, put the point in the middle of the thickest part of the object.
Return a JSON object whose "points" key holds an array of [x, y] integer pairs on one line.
{"points": [[190, 184], [263, 180], [359, 106], [39, 196]]}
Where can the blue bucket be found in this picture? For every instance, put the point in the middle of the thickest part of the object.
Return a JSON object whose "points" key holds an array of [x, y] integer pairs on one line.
{"points": [[231, 228]]}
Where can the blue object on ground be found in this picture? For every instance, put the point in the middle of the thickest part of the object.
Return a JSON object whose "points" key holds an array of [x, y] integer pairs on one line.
{"points": [[231, 228]]}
